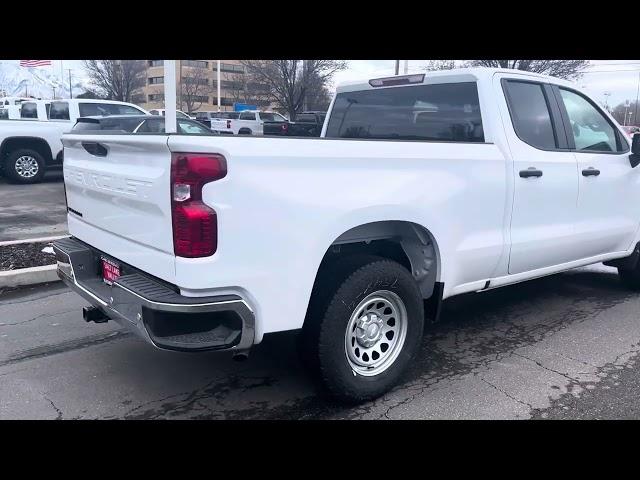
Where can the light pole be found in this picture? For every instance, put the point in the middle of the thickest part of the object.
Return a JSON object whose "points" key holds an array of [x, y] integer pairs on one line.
{"points": [[635, 116], [70, 87], [606, 101], [626, 109]]}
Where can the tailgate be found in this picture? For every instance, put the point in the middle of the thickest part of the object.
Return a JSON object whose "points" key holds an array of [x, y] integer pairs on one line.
{"points": [[118, 195]]}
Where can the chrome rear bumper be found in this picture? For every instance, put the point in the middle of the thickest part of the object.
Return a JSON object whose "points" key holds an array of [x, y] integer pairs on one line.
{"points": [[154, 309]]}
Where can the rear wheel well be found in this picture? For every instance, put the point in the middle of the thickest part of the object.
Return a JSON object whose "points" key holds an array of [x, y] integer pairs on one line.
{"points": [[32, 143], [406, 243]]}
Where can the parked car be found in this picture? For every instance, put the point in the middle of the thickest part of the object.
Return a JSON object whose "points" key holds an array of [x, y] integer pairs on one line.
{"points": [[5, 101], [28, 148], [424, 187], [307, 124], [249, 122], [161, 112], [206, 118], [9, 112], [138, 124]]}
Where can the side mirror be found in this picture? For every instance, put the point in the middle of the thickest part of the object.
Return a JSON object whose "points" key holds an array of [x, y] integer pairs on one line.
{"points": [[634, 158]]}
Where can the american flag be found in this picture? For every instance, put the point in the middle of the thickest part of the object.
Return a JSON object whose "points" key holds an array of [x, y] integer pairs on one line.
{"points": [[34, 63]]}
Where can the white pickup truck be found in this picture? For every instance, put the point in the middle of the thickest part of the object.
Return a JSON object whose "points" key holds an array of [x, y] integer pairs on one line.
{"points": [[421, 187], [248, 122], [32, 144]]}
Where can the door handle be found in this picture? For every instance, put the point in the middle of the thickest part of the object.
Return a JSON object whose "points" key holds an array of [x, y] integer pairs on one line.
{"points": [[590, 172], [530, 172]]}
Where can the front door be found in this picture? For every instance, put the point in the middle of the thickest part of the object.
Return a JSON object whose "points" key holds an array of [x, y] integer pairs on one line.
{"points": [[609, 188]]}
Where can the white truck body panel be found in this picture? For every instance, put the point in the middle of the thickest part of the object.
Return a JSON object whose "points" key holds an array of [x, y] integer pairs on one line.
{"points": [[285, 201]]}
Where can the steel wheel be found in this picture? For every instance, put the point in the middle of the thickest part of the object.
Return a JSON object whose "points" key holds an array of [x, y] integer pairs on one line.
{"points": [[376, 333], [26, 166]]}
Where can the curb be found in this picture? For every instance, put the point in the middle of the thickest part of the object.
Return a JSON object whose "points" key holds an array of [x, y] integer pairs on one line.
{"points": [[28, 276], [32, 240]]}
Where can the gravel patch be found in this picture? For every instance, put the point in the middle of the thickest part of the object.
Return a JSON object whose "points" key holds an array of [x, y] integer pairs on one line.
{"points": [[24, 255]]}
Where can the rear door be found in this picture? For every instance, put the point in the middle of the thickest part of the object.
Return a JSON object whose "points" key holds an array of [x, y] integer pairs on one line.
{"points": [[545, 178], [609, 188]]}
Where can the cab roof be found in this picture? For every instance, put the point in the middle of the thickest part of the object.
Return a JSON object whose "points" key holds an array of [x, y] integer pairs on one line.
{"points": [[459, 74]]}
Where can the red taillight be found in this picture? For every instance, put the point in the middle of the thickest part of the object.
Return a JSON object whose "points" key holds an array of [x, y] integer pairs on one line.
{"points": [[195, 225]]}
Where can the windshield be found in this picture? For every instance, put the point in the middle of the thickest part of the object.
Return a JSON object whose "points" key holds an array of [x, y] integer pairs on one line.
{"points": [[272, 117]]}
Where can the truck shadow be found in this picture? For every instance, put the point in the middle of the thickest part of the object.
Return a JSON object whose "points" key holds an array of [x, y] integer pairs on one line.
{"points": [[474, 329]]}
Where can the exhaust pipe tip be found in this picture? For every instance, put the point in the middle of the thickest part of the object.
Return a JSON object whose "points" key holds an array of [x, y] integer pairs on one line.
{"points": [[94, 314], [241, 356]]}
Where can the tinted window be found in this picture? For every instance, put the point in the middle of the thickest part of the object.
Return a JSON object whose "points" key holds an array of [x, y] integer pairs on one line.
{"points": [[152, 126], [272, 117], [188, 127], [59, 111], [591, 129], [306, 118], [445, 112], [29, 110], [530, 114], [247, 116], [106, 109], [109, 124]]}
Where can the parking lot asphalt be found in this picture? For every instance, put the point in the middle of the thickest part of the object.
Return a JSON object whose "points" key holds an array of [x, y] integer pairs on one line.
{"points": [[32, 211], [563, 346]]}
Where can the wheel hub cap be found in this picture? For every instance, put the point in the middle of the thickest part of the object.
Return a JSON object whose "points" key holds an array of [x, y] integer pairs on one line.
{"points": [[369, 330], [376, 333], [26, 166]]}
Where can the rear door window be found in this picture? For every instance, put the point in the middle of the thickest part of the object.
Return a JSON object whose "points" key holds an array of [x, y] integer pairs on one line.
{"points": [[29, 110], [247, 116], [448, 112], [59, 111], [529, 109]]}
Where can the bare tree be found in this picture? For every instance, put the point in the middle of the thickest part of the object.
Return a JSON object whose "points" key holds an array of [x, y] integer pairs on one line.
{"points": [[242, 88], [4, 84], [195, 88], [626, 114], [569, 69], [289, 82], [116, 79], [440, 65]]}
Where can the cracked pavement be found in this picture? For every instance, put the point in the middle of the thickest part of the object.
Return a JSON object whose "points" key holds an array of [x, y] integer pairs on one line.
{"points": [[563, 346]]}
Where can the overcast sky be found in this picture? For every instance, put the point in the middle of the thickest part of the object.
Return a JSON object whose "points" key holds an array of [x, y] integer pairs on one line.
{"points": [[618, 77]]}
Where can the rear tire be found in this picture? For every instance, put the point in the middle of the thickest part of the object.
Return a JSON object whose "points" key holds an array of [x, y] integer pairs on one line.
{"points": [[363, 328], [24, 166]]}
